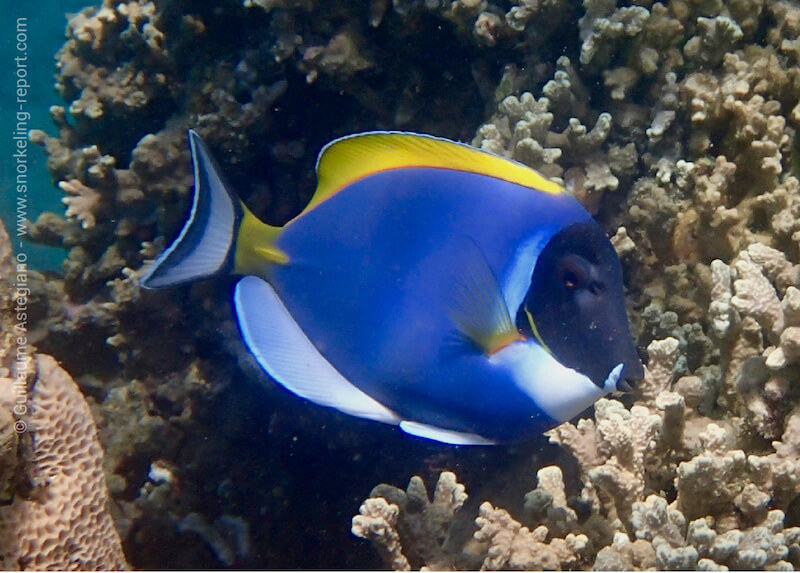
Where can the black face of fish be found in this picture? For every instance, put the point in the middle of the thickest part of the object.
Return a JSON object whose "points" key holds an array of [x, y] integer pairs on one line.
{"points": [[577, 306]]}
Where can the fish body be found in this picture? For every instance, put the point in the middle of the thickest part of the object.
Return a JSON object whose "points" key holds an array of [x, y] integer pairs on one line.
{"points": [[405, 292]]}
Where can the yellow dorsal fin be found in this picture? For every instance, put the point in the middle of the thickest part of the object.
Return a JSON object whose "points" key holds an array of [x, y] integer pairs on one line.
{"points": [[350, 158]]}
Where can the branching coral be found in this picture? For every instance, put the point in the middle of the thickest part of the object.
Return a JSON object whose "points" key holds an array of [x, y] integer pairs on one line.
{"points": [[744, 106], [524, 129], [512, 546], [728, 509], [126, 89], [377, 521], [393, 518], [500, 541], [339, 57], [82, 203], [724, 514], [614, 472]]}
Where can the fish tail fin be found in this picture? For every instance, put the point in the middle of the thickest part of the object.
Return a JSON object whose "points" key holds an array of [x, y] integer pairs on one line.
{"points": [[221, 236]]}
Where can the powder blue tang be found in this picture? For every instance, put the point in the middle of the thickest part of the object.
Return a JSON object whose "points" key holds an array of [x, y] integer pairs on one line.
{"points": [[455, 293]]}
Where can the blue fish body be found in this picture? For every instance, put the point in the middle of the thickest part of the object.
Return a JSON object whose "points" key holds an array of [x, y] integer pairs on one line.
{"points": [[407, 290], [387, 252]]}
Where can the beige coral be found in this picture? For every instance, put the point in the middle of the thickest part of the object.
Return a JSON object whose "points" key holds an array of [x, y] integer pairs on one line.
{"points": [[520, 131], [340, 56], [755, 296], [613, 464], [716, 37], [547, 504], [425, 523], [66, 523], [745, 102], [82, 203], [719, 309], [659, 375], [102, 90], [756, 305], [9, 442], [624, 555], [708, 483], [513, 546], [377, 521], [92, 29], [523, 129]]}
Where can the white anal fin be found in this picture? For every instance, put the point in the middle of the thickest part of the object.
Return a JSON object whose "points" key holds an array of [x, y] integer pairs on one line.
{"points": [[285, 352], [444, 436]]}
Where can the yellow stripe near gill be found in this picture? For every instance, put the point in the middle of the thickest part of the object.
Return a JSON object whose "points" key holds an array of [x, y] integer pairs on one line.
{"points": [[536, 332], [255, 246], [351, 158]]}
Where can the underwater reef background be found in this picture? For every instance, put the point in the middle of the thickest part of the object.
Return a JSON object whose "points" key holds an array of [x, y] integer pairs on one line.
{"points": [[674, 124], [43, 35]]}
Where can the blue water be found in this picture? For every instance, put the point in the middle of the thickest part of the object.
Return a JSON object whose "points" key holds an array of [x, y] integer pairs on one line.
{"points": [[45, 22]]}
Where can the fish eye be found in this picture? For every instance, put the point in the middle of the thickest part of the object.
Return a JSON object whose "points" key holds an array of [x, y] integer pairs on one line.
{"points": [[572, 274]]}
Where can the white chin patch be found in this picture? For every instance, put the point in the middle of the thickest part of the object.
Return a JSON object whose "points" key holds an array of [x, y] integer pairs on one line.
{"points": [[560, 392]]}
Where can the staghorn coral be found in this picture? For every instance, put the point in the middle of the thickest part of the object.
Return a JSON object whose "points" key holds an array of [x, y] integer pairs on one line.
{"points": [[377, 521], [512, 546], [82, 204], [724, 515], [388, 518], [522, 130], [391, 517]]}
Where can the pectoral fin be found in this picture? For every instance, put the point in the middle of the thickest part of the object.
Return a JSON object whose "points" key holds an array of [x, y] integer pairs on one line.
{"points": [[477, 306]]}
